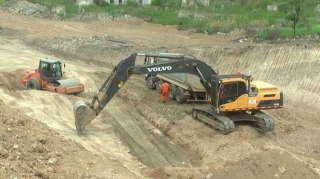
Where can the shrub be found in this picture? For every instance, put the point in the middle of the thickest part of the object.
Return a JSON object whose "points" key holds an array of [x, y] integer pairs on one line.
{"points": [[101, 3], [132, 3], [269, 33], [166, 3]]}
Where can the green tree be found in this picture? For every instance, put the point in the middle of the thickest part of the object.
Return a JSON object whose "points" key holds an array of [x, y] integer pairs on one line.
{"points": [[294, 10]]}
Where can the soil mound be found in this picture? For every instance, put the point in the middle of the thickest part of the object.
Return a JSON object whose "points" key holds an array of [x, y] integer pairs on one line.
{"points": [[12, 80]]}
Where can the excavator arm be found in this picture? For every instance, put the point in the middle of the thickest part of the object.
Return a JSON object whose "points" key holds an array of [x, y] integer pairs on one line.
{"points": [[84, 112]]}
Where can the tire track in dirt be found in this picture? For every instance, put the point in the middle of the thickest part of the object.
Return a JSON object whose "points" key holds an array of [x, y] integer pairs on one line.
{"points": [[152, 148], [99, 137], [46, 107], [258, 61], [159, 151], [293, 69], [55, 110], [290, 67]]}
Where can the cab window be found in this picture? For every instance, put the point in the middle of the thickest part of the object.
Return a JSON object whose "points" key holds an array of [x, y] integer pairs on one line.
{"points": [[57, 70], [149, 60], [46, 70], [229, 92], [49, 70]]}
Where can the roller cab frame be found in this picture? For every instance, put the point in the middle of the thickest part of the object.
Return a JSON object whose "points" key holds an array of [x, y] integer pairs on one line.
{"points": [[48, 76]]}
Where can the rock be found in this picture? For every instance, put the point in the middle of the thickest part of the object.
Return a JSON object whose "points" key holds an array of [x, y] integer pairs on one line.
{"points": [[10, 121], [42, 140], [281, 152], [91, 163], [47, 157], [276, 175], [1, 136], [6, 165], [58, 154], [41, 174], [51, 169], [52, 161], [209, 176], [39, 148], [3, 152], [59, 10], [282, 170], [27, 8], [16, 146], [22, 122]]}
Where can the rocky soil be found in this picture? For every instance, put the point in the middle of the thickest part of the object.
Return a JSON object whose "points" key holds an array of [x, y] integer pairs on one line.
{"points": [[37, 135]]}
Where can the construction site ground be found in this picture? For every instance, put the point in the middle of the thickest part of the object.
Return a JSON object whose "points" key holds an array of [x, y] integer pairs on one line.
{"points": [[138, 136]]}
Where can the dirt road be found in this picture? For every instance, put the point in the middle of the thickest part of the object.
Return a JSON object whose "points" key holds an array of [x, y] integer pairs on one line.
{"points": [[135, 137]]}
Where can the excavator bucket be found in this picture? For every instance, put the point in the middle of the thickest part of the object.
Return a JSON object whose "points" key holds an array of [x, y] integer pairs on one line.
{"points": [[83, 115]]}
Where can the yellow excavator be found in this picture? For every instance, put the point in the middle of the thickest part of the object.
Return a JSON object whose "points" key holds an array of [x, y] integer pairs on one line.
{"points": [[234, 97]]}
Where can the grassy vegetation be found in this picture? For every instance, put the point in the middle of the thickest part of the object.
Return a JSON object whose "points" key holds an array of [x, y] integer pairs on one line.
{"points": [[220, 16]]}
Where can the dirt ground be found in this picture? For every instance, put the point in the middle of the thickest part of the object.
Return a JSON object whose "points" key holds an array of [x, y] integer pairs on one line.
{"points": [[137, 136]]}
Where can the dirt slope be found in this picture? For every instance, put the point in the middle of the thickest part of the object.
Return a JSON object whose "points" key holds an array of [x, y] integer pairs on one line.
{"points": [[29, 149], [146, 142], [175, 146]]}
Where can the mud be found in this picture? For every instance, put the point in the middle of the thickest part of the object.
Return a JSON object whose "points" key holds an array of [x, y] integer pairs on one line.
{"points": [[137, 136]]}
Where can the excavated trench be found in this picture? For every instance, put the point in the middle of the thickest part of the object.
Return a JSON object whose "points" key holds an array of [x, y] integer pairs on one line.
{"points": [[147, 143], [290, 151], [290, 66], [271, 63]]}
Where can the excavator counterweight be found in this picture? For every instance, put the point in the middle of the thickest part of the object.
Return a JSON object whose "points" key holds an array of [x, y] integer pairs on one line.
{"points": [[233, 97]]}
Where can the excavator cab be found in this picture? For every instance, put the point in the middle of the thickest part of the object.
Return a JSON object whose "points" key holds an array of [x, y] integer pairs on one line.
{"points": [[231, 91], [238, 93], [50, 70], [227, 90]]}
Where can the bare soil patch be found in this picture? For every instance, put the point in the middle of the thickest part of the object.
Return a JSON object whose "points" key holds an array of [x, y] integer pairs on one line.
{"points": [[12, 80], [290, 151]]}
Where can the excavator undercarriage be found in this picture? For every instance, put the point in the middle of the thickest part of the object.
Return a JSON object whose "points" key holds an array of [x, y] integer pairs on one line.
{"points": [[225, 122]]}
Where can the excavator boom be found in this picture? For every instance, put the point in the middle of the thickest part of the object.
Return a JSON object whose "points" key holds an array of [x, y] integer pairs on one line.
{"points": [[84, 112]]}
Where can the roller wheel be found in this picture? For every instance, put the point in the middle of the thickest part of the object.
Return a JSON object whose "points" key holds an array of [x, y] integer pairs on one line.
{"points": [[33, 84], [158, 85], [179, 96], [172, 92]]}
